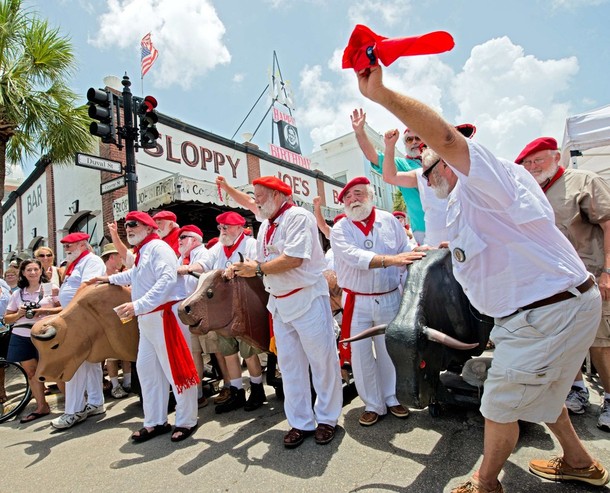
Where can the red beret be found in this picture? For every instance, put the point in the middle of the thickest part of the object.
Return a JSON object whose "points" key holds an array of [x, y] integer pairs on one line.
{"points": [[467, 130], [359, 180], [338, 218], [274, 184], [141, 217], [399, 214], [540, 144], [211, 243], [230, 218], [75, 237], [165, 215], [365, 47], [190, 228]]}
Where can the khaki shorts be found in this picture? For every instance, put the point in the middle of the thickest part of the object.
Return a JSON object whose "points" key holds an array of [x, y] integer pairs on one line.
{"points": [[229, 346], [207, 343], [602, 338], [537, 355]]}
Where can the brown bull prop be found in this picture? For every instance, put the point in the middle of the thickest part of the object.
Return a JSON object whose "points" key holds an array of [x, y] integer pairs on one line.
{"points": [[232, 307], [88, 329]]}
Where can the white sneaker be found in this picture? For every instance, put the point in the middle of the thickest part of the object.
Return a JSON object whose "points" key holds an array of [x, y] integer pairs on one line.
{"points": [[578, 400], [91, 410], [68, 420], [118, 392], [603, 422]]}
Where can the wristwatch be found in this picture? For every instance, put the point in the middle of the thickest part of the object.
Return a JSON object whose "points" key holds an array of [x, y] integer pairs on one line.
{"points": [[259, 272], [605, 270]]}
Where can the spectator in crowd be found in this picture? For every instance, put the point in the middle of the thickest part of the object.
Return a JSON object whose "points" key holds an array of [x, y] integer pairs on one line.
{"points": [[5, 296], [581, 202], [81, 267], [168, 229], [496, 212], [11, 276], [47, 258], [27, 305]]}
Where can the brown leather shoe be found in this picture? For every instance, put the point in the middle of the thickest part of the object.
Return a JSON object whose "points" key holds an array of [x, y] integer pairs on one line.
{"points": [[368, 418], [471, 486], [223, 395], [324, 434], [399, 411], [295, 437]]}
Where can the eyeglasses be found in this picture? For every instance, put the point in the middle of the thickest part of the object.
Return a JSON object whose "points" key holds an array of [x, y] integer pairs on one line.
{"points": [[222, 227], [183, 237], [42, 255], [426, 174], [538, 160], [132, 224], [411, 138]]}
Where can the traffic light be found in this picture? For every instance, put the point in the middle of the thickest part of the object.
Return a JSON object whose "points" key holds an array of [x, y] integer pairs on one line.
{"points": [[101, 109], [148, 118]]}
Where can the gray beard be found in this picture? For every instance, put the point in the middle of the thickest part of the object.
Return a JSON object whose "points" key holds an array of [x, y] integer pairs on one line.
{"points": [[266, 211], [72, 256], [136, 238], [442, 189], [360, 213], [226, 240]]}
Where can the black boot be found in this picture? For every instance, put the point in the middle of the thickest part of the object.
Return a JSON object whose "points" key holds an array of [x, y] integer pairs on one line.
{"points": [[237, 400], [257, 397]]}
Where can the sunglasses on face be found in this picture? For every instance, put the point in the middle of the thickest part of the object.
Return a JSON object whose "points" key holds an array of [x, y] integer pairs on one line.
{"points": [[43, 255], [222, 227], [426, 174], [183, 237], [132, 224], [410, 139]]}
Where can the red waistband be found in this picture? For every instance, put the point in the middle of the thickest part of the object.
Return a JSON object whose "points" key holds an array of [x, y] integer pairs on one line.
{"points": [[290, 293]]}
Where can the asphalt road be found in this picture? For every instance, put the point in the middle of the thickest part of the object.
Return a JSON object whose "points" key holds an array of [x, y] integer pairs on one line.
{"points": [[243, 452]]}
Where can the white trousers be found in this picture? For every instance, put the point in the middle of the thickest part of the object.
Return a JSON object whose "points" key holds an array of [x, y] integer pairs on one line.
{"points": [[374, 372], [88, 378], [156, 377], [309, 341]]}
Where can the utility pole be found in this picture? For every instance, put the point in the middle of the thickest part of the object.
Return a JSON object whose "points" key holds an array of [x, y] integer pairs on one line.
{"points": [[129, 133]]}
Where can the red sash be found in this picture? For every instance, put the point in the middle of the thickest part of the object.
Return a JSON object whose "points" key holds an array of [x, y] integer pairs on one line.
{"points": [[138, 247], [345, 351], [71, 267], [368, 226], [180, 358], [560, 171], [229, 250], [273, 224]]}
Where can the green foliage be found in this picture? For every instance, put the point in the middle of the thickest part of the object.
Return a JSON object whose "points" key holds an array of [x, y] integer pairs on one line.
{"points": [[398, 203]]}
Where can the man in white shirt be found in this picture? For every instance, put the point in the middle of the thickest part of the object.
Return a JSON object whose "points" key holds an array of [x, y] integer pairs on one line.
{"points": [[82, 266], [546, 307]]}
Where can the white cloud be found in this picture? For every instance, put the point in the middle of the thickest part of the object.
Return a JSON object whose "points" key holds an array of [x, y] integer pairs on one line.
{"points": [[189, 45], [390, 12], [237, 78]]}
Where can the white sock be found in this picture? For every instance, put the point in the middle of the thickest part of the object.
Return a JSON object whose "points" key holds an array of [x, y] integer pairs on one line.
{"points": [[258, 379], [114, 381], [126, 379], [237, 383]]}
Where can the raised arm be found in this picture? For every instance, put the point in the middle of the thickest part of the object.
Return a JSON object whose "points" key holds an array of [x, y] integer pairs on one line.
{"points": [[358, 118], [121, 248], [420, 118], [241, 198], [317, 212], [391, 175]]}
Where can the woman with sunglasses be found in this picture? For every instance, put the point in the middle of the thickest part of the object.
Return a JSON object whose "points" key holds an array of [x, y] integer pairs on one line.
{"points": [[47, 257], [11, 276], [27, 305]]}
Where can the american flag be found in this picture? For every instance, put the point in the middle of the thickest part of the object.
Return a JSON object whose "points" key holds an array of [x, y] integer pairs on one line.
{"points": [[149, 54]]}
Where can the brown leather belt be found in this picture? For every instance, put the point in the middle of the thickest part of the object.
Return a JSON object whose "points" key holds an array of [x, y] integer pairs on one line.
{"points": [[556, 298]]}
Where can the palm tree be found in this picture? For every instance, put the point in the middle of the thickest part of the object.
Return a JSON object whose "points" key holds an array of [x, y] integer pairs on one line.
{"points": [[38, 112]]}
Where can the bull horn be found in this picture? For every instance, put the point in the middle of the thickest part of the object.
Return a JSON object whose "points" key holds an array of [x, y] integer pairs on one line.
{"points": [[373, 331], [46, 334], [196, 275], [241, 257], [442, 338]]}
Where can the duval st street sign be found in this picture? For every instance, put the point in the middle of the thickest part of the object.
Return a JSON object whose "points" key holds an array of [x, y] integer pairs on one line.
{"points": [[95, 162]]}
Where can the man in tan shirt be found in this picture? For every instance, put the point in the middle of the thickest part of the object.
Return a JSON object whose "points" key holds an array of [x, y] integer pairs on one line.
{"points": [[581, 201]]}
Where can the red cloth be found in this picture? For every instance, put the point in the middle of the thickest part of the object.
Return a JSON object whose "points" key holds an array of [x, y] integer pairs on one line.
{"points": [[180, 358], [165, 215], [71, 267], [274, 183], [190, 228], [539, 144], [229, 250], [365, 48], [345, 351], [137, 248], [172, 240], [142, 218], [231, 218], [273, 224], [75, 237], [560, 171], [367, 227]]}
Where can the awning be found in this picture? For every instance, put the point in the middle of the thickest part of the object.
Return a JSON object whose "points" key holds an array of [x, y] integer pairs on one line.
{"points": [[76, 217]]}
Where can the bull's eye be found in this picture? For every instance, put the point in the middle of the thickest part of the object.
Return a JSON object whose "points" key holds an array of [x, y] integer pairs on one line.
{"points": [[55, 347], [209, 293]]}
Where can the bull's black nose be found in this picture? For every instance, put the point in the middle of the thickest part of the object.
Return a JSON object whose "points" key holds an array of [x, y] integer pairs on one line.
{"points": [[187, 309], [42, 379]]}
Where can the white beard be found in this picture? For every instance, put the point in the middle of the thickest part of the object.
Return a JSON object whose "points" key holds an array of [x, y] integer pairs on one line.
{"points": [[185, 249], [441, 190], [227, 240], [266, 210], [359, 211], [164, 232], [72, 256], [545, 176], [136, 238]]}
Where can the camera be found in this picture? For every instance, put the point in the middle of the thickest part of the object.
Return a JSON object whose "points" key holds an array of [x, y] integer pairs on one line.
{"points": [[30, 306]]}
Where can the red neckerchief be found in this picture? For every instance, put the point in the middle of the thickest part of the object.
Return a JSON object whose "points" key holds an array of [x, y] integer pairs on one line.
{"points": [[560, 171], [414, 158], [273, 224], [138, 247], [186, 260], [172, 240], [366, 228], [71, 267], [229, 250]]}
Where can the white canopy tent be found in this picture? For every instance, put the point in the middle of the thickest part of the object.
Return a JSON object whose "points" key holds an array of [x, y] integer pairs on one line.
{"points": [[586, 141]]}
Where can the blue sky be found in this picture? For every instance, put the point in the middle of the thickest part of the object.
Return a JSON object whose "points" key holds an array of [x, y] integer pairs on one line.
{"points": [[517, 71]]}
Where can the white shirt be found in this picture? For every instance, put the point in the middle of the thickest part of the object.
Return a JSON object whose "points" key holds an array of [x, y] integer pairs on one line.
{"points": [[354, 252], [88, 267], [153, 280], [297, 236], [217, 259], [187, 284], [502, 226], [435, 212]]}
